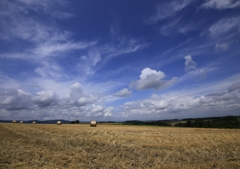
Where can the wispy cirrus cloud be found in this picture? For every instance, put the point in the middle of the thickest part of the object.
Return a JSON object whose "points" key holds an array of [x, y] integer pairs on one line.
{"points": [[225, 26], [220, 4], [19, 23], [167, 10], [101, 54], [57, 48], [38, 38], [221, 46]]}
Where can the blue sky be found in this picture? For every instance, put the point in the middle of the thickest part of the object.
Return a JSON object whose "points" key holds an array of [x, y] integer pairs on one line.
{"points": [[119, 60]]}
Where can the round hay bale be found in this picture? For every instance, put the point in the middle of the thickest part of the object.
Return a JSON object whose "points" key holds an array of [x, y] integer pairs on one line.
{"points": [[59, 122], [21, 121], [34, 122], [93, 123], [14, 121]]}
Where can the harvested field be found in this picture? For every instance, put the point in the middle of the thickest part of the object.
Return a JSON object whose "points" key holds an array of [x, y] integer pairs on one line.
{"points": [[117, 146]]}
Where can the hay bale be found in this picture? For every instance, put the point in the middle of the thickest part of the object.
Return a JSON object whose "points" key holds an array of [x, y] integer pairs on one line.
{"points": [[93, 123], [14, 121], [21, 121], [59, 122], [34, 122]]}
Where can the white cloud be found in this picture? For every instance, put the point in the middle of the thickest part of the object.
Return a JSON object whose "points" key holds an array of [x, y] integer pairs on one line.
{"points": [[189, 63], [18, 23], [167, 10], [15, 100], [78, 97], [60, 87], [45, 104], [123, 46], [44, 38], [45, 98], [108, 111], [221, 4], [56, 48], [123, 93], [152, 79], [7, 82], [225, 26], [50, 69], [233, 87], [97, 108], [221, 46], [95, 57], [214, 99], [103, 53], [185, 104]]}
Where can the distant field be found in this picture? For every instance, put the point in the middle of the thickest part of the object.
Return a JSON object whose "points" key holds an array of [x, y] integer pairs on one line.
{"points": [[117, 146]]}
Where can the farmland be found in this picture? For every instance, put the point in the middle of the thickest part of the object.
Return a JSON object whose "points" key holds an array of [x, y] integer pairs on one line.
{"points": [[117, 146]]}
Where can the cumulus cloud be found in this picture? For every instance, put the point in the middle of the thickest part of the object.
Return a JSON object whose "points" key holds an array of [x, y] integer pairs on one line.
{"points": [[167, 10], [152, 79], [45, 98], [189, 63], [123, 93], [96, 111], [79, 97], [15, 100], [97, 108], [220, 4]]}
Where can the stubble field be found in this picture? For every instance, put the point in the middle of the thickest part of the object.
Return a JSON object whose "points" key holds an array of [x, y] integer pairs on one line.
{"points": [[117, 146]]}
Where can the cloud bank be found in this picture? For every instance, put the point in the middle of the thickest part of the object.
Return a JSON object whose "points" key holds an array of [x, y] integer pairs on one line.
{"points": [[184, 104]]}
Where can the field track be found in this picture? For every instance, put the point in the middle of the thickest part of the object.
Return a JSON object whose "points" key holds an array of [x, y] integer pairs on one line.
{"points": [[117, 146]]}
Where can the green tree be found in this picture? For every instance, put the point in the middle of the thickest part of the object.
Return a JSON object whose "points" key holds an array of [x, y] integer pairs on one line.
{"points": [[188, 123]]}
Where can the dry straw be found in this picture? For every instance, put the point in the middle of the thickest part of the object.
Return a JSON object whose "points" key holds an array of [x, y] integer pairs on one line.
{"points": [[93, 123], [59, 122], [14, 121], [21, 121]]}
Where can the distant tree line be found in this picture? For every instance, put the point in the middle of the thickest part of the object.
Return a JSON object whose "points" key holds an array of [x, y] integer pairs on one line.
{"points": [[155, 123], [75, 122], [221, 122], [106, 122]]}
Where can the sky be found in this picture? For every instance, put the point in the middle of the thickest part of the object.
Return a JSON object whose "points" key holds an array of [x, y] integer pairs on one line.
{"points": [[117, 60]]}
